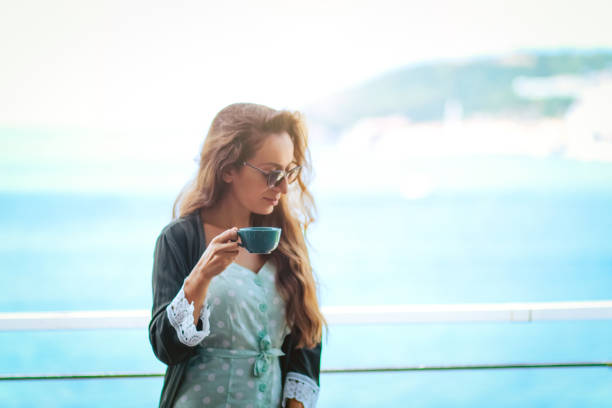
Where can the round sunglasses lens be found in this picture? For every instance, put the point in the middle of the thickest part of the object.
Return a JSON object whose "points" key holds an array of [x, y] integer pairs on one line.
{"points": [[292, 176], [275, 178]]}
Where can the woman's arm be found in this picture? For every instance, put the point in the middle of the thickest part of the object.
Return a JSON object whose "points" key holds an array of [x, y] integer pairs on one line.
{"points": [[172, 332], [180, 306], [302, 376]]}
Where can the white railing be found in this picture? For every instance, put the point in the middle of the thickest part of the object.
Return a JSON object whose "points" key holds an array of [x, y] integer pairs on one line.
{"points": [[419, 313], [391, 314]]}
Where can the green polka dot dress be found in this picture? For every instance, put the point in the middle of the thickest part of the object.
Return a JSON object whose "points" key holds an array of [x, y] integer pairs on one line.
{"points": [[237, 363]]}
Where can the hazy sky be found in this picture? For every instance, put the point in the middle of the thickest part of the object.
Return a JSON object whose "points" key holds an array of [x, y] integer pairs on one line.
{"points": [[118, 95], [172, 65]]}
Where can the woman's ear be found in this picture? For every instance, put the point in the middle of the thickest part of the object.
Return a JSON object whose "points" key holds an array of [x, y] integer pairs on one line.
{"points": [[228, 175]]}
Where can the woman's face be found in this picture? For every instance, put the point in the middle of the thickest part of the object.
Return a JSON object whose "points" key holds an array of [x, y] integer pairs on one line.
{"points": [[249, 186]]}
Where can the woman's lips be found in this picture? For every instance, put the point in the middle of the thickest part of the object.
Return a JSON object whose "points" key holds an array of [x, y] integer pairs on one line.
{"points": [[271, 200]]}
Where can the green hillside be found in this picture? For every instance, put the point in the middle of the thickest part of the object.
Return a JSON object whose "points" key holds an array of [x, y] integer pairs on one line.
{"points": [[481, 85]]}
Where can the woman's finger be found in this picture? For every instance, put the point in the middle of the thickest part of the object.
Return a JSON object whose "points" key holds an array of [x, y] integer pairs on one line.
{"points": [[225, 255], [228, 246], [227, 235]]}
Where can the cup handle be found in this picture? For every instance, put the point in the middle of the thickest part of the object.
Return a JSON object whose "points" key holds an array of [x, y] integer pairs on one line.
{"points": [[239, 243]]}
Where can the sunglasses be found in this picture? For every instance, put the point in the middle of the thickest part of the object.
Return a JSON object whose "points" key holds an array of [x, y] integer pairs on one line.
{"points": [[275, 177]]}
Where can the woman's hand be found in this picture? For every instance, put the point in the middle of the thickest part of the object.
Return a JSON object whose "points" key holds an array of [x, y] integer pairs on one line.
{"points": [[293, 403], [220, 252]]}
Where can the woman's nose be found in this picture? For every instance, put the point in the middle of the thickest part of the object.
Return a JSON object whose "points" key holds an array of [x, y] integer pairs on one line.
{"points": [[282, 187]]}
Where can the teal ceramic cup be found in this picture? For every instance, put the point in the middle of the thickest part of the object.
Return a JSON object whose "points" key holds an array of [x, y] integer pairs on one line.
{"points": [[259, 240]]}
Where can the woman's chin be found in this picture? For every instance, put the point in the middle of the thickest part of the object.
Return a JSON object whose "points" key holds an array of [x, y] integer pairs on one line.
{"points": [[265, 210]]}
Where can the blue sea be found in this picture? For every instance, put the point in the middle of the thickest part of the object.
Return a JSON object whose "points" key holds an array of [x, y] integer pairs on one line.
{"points": [[75, 251]]}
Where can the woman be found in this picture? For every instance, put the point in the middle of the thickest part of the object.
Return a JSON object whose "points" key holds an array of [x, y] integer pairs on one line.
{"points": [[238, 329]]}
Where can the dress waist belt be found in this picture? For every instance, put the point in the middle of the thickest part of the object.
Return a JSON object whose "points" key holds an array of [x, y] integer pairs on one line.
{"points": [[262, 357]]}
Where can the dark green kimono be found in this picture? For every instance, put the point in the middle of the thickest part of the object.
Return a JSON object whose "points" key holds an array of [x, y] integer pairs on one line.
{"points": [[178, 248]]}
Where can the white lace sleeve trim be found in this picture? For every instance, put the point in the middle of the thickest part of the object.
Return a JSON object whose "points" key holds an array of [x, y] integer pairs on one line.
{"points": [[301, 388], [180, 314]]}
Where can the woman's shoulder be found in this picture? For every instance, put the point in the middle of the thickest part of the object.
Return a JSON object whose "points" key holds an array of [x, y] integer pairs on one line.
{"points": [[182, 229]]}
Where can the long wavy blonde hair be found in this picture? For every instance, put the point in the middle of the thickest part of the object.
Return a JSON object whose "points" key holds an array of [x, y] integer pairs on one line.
{"points": [[235, 134]]}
